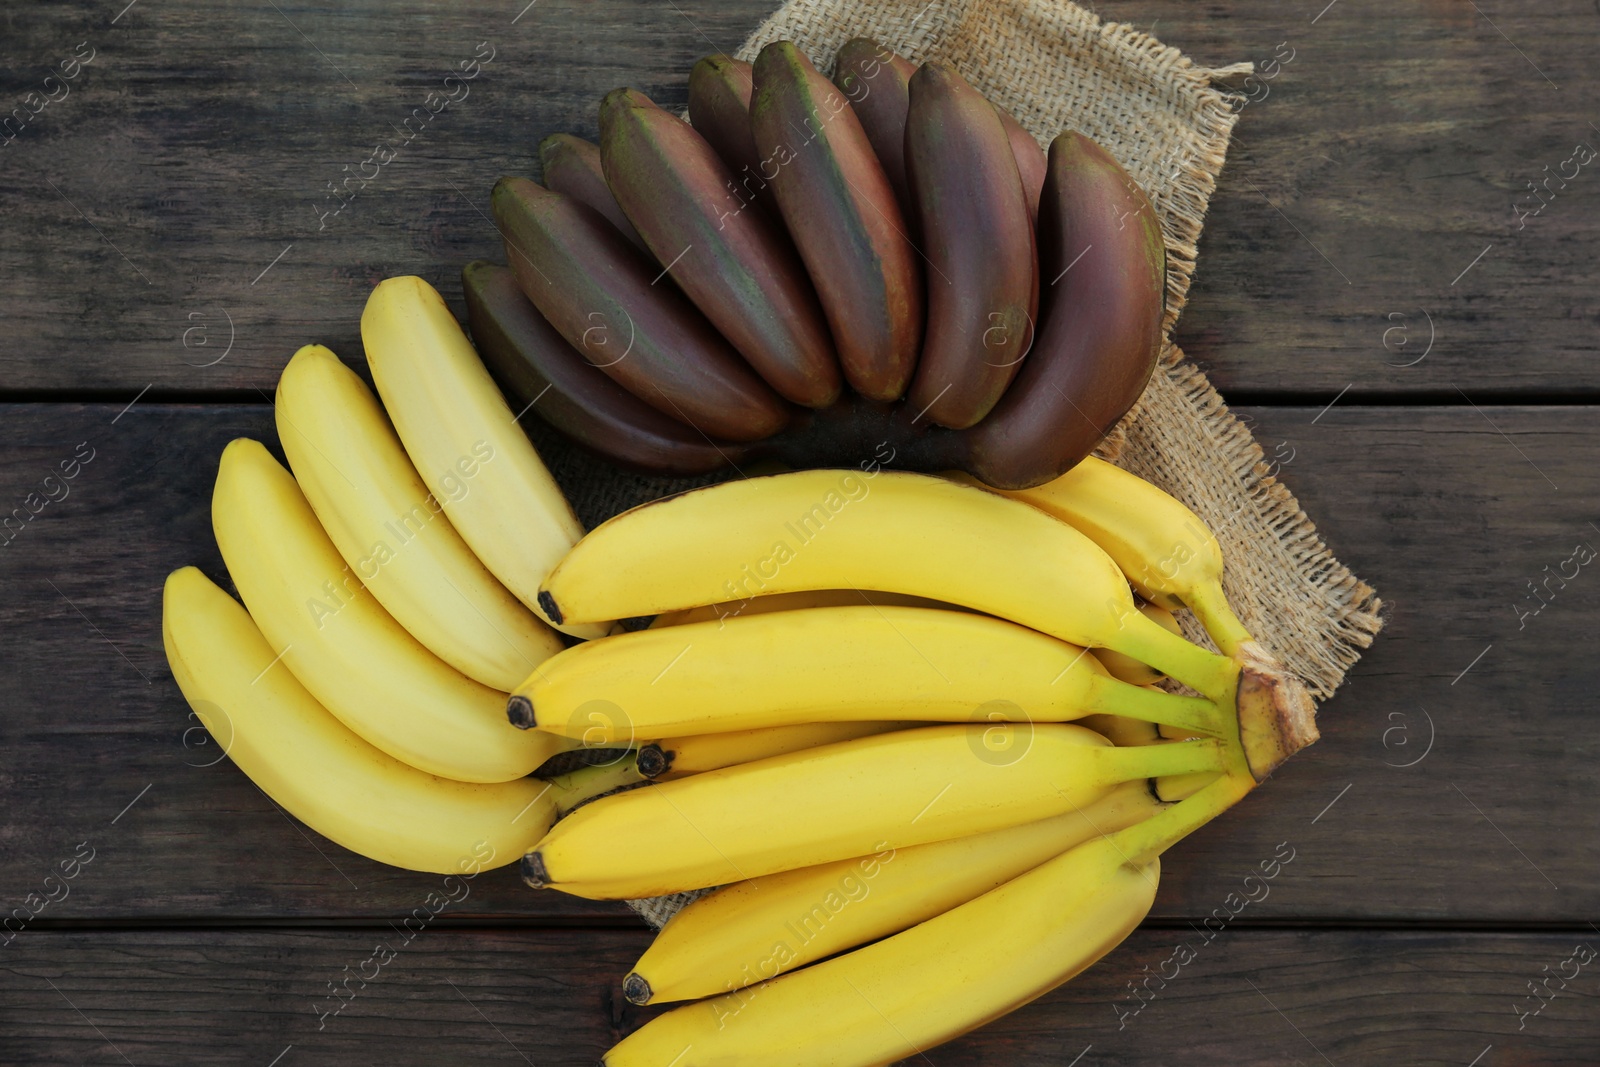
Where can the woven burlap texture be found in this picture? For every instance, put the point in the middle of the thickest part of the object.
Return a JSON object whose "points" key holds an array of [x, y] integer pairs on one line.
{"points": [[1057, 66]]}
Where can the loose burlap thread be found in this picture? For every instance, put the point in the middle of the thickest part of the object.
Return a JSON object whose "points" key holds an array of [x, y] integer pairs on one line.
{"points": [[1057, 66]]}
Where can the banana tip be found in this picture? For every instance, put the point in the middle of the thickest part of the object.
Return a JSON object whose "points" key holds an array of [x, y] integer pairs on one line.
{"points": [[652, 760], [533, 871], [519, 709], [547, 604], [636, 989]]}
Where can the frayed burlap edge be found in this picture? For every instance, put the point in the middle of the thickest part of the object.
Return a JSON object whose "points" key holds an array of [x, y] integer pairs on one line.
{"points": [[1056, 66]]}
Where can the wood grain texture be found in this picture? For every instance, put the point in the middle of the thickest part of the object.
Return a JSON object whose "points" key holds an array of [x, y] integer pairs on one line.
{"points": [[199, 144], [1436, 506], [550, 997], [173, 200], [1449, 512], [1369, 175], [165, 226]]}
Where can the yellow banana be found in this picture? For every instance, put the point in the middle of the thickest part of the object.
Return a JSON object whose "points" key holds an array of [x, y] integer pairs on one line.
{"points": [[806, 598], [848, 799], [1126, 668], [392, 532], [355, 660], [679, 757], [829, 664], [752, 931], [1168, 554], [892, 531], [898, 997], [463, 438], [320, 771]]}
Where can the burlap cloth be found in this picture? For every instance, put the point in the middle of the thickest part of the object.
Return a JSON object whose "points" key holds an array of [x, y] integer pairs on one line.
{"points": [[1056, 66]]}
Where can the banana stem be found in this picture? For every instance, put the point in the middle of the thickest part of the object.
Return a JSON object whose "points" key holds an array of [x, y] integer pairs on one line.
{"points": [[1144, 841], [1210, 606], [586, 783], [1149, 642], [1157, 761], [1192, 714]]}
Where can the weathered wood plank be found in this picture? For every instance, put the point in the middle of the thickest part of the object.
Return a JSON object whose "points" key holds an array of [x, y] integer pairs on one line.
{"points": [[1434, 506], [201, 145], [164, 210], [550, 997], [1449, 513], [1377, 225]]}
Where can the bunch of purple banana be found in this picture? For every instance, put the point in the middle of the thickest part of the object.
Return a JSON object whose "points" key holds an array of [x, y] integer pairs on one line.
{"points": [[807, 271]]}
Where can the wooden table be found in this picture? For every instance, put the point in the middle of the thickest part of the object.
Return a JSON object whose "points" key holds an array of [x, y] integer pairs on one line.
{"points": [[1412, 342]]}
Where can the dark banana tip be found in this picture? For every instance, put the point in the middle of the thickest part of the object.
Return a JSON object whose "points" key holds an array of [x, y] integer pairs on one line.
{"points": [[651, 761], [549, 147], [547, 604], [502, 197], [636, 989], [519, 709], [533, 871], [616, 98], [718, 61], [621, 99]]}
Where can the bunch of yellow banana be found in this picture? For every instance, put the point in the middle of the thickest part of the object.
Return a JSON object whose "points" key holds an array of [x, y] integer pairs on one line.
{"points": [[973, 944], [907, 726], [387, 585]]}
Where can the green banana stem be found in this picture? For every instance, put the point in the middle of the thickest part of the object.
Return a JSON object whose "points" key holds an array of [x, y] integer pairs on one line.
{"points": [[1210, 606], [586, 783], [1144, 841], [1193, 714], [1156, 761], [1149, 642]]}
